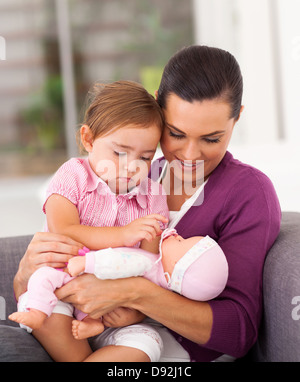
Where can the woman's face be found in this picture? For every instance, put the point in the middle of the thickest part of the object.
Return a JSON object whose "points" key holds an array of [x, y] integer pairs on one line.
{"points": [[196, 131]]}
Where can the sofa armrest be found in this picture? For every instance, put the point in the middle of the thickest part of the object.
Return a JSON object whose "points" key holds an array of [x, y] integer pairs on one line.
{"points": [[279, 335], [11, 251]]}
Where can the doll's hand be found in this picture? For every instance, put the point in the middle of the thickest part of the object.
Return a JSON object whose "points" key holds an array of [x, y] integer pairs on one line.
{"points": [[76, 265], [122, 317], [145, 228]]}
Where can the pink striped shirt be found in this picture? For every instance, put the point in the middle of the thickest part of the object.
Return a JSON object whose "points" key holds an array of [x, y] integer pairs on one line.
{"points": [[97, 205]]}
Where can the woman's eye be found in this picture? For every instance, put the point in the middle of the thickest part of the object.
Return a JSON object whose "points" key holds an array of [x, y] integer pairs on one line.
{"points": [[145, 159], [176, 136], [215, 140]]}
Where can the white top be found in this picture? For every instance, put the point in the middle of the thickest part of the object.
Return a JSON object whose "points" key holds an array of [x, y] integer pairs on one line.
{"points": [[175, 216]]}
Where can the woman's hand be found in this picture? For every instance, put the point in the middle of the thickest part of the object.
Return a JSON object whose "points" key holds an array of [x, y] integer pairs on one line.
{"points": [[122, 317], [45, 249], [97, 297]]}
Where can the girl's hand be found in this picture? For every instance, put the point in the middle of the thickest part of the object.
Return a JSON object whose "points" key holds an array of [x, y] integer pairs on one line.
{"points": [[45, 249], [145, 228], [122, 317]]}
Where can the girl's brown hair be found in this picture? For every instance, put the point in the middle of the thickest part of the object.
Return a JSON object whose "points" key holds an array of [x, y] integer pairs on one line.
{"points": [[119, 104]]}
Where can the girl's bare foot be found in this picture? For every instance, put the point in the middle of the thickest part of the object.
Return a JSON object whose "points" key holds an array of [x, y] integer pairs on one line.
{"points": [[34, 318], [86, 328]]}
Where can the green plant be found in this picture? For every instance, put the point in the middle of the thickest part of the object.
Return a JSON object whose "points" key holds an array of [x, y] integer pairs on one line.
{"points": [[44, 115], [153, 42]]}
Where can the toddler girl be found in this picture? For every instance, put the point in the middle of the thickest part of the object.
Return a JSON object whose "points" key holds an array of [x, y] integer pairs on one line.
{"points": [[104, 200]]}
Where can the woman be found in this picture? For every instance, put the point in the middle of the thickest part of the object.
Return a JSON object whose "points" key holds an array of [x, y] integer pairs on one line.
{"points": [[200, 94]]}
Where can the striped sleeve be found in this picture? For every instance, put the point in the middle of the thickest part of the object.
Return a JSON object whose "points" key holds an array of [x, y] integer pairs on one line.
{"points": [[69, 181]]}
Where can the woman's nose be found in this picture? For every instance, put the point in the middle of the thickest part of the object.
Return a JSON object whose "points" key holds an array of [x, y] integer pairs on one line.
{"points": [[191, 152]]}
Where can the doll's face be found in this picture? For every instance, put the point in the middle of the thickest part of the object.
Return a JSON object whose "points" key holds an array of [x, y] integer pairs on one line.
{"points": [[175, 246]]}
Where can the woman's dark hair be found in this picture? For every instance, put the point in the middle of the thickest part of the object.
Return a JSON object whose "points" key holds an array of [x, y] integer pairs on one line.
{"points": [[199, 73]]}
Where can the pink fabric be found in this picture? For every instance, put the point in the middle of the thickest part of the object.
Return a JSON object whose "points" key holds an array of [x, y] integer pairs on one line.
{"points": [[97, 205], [41, 287], [206, 278], [202, 273], [90, 262]]}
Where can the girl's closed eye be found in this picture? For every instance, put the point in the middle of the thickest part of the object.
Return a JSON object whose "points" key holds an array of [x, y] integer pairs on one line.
{"points": [[120, 153]]}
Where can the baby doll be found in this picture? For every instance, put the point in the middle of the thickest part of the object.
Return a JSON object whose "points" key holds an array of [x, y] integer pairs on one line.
{"points": [[195, 267]]}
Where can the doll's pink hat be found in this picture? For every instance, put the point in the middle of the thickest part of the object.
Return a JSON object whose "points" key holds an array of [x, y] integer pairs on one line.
{"points": [[202, 273]]}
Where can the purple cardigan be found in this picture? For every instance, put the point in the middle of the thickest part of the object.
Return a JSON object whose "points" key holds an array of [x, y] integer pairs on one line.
{"points": [[241, 212]]}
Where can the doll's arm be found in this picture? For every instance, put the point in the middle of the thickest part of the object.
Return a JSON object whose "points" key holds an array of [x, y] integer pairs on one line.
{"points": [[111, 263]]}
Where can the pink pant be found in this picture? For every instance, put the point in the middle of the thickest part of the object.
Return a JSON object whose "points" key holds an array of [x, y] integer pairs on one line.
{"points": [[41, 287]]}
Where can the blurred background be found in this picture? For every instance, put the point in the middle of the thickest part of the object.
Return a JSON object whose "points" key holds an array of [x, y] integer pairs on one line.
{"points": [[52, 51]]}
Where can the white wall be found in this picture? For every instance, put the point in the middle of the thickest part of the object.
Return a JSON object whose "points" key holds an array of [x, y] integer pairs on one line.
{"points": [[289, 46], [264, 36]]}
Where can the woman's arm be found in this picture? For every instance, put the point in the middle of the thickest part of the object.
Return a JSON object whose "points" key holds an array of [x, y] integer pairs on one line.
{"points": [[63, 218], [191, 319]]}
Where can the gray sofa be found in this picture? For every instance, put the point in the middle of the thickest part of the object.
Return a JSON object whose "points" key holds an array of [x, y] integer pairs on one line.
{"points": [[279, 336]]}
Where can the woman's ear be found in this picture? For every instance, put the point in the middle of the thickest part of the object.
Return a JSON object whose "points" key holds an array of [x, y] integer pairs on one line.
{"points": [[156, 94], [241, 110], [86, 138]]}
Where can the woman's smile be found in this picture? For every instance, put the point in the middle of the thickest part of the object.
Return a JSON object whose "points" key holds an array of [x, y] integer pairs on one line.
{"points": [[189, 165]]}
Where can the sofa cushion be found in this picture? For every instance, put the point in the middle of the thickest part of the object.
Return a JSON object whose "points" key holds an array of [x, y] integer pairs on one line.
{"points": [[279, 335], [11, 251], [19, 346]]}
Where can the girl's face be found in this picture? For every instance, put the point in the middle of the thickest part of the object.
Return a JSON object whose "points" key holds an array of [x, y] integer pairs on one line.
{"points": [[122, 158], [196, 131]]}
